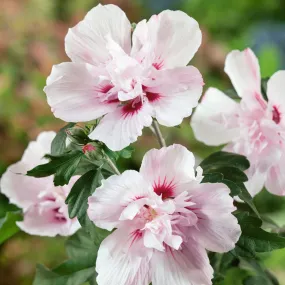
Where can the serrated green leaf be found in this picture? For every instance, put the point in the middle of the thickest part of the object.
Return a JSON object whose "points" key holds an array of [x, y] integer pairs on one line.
{"points": [[221, 159], [254, 239], [81, 190], [8, 226], [63, 167], [58, 145]]}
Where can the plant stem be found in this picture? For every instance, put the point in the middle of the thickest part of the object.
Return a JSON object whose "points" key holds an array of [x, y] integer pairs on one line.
{"points": [[158, 134], [112, 164]]}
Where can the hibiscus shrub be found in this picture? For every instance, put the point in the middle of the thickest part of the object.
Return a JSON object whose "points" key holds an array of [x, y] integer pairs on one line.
{"points": [[171, 222]]}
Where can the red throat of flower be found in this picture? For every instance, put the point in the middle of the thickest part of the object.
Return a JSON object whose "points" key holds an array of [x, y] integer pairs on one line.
{"points": [[166, 189], [276, 115]]}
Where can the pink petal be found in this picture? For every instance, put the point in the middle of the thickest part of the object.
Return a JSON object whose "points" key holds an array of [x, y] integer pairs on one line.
{"points": [[217, 229], [275, 182], [86, 42], [276, 96], [243, 69], [215, 120], [172, 37], [111, 199], [43, 222], [117, 263], [122, 127], [76, 94], [167, 169], [188, 266], [23, 190], [256, 180], [177, 93]]}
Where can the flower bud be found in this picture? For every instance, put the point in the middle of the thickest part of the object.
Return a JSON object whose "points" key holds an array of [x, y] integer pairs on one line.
{"points": [[93, 151]]}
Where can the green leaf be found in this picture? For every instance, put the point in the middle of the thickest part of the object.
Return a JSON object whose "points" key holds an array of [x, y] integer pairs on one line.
{"points": [[63, 167], [80, 268], [70, 273], [8, 225], [126, 152], [221, 158], [81, 190], [58, 145], [254, 239], [261, 275], [219, 178], [232, 94], [78, 135], [246, 197], [264, 88]]}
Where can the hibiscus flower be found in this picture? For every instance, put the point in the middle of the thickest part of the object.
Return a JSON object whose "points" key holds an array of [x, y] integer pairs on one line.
{"points": [[164, 219], [43, 204], [127, 80], [254, 127]]}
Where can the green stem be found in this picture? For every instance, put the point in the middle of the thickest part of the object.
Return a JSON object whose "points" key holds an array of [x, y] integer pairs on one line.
{"points": [[158, 133]]}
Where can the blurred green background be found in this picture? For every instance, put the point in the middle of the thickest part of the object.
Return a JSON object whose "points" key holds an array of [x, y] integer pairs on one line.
{"points": [[32, 40]]}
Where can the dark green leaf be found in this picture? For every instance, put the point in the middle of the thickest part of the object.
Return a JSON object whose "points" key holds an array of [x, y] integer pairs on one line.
{"points": [[246, 197], [232, 94], [8, 225], [58, 144], [78, 135], [80, 268], [221, 158], [264, 88], [261, 275], [81, 190], [254, 239], [63, 167], [71, 273], [219, 178]]}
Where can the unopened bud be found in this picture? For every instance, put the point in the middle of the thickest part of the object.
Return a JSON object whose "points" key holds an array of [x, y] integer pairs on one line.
{"points": [[92, 151]]}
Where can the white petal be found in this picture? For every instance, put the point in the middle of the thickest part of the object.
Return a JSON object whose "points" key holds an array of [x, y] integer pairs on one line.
{"points": [[215, 120], [43, 223], [72, 92], [275, 182], [86, 42], [122, 127], [188, 266], [108, 202], [275, 93], [167, 168], [172, 36], [177, 93], [23, 190], [217, 229], [256, 180], [116, 264], [243, 69]]}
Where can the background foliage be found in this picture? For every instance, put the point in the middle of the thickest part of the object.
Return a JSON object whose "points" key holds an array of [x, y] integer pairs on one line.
{"points": [[32, 40]]}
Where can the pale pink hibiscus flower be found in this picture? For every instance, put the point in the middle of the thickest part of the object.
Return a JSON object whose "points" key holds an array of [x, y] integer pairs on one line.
{"points": [[164, 219], [127, 78], [254, 127], [43, 204]]}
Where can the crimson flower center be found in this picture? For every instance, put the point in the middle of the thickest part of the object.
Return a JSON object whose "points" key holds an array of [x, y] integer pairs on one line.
{"points": [[276, 116]]}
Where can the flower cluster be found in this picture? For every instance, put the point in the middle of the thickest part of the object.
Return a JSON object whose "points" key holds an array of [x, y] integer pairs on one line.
{"points": [[127, 80], [45, 211], [162, 220], [254, 127]]}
